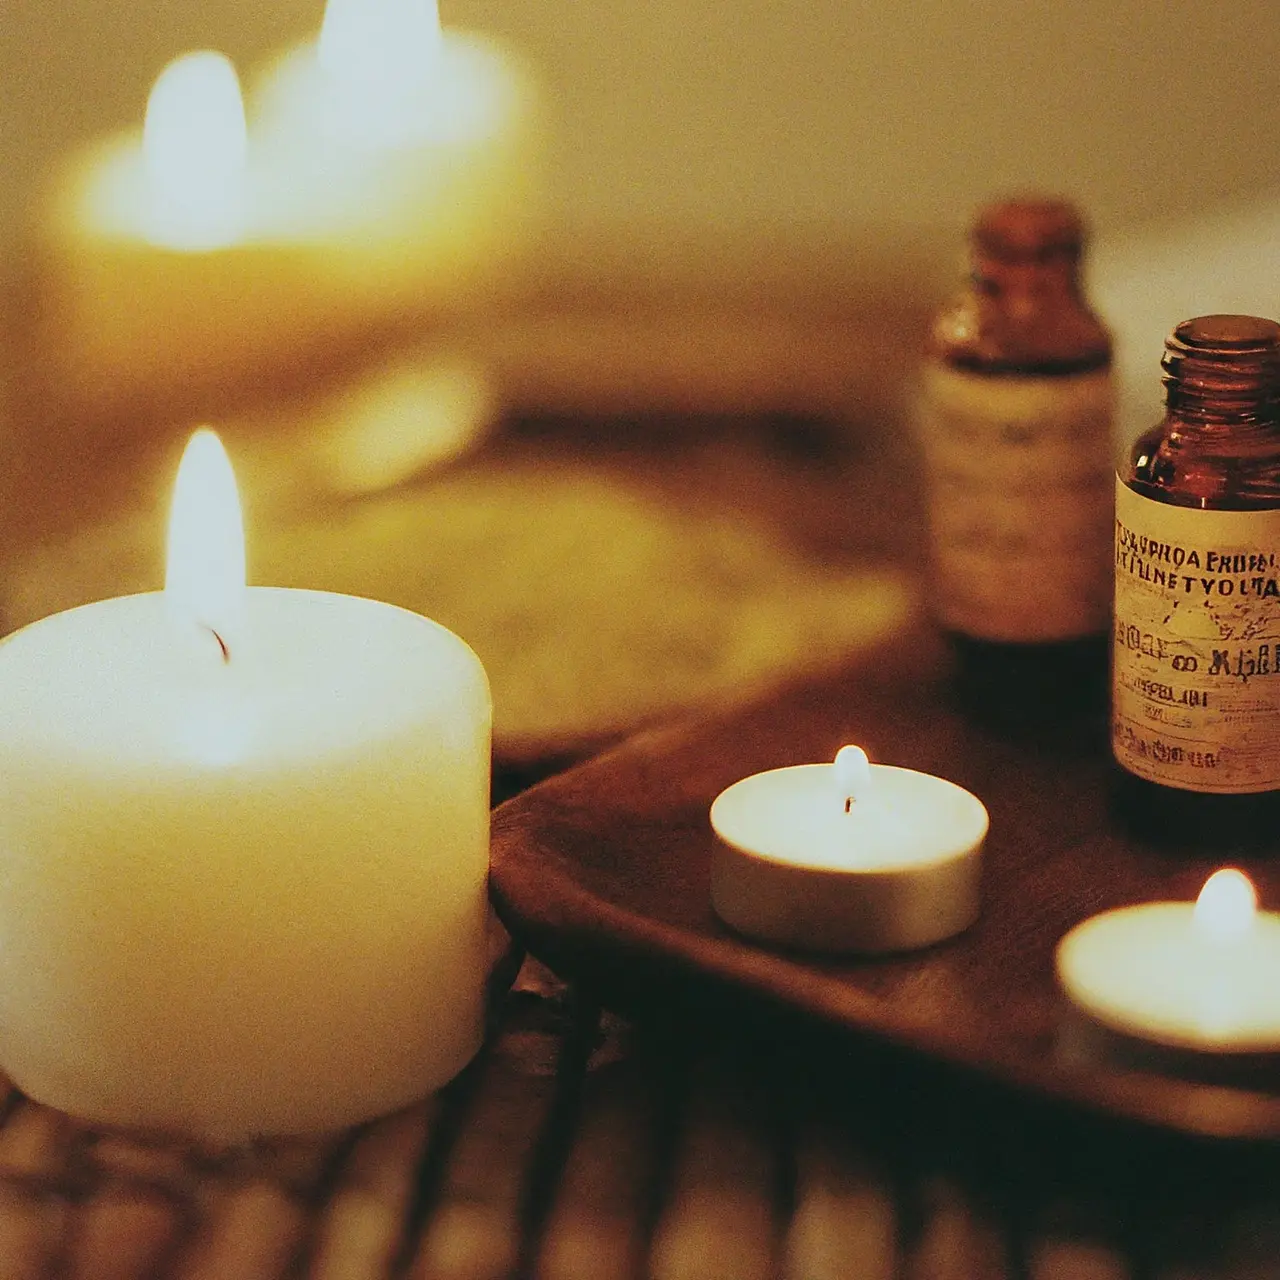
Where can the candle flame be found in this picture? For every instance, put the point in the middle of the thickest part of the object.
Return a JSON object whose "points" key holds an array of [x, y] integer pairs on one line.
{"points": [[380, 54], [195, 148], [852, 773], [1226, 907], [205, 572]]}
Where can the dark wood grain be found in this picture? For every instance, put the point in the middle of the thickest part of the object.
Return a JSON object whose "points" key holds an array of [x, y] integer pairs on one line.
{"points": [[603, 871]]}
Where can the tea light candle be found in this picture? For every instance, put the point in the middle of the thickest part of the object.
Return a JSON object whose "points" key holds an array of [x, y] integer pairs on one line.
{"points": [[245, 839], [847, 856], [384, 185], [1202, 977]]}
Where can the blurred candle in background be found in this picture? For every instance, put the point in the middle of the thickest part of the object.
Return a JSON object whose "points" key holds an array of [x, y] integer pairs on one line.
{"points": [[397, 145], [195, 155], [380, 58], [381, 188]]}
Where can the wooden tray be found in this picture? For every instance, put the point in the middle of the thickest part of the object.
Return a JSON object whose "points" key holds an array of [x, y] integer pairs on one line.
{"points": [[603, 872]]}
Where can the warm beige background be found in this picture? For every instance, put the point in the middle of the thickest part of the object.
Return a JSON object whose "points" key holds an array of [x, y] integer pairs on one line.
{"points": [[742, 193], [789, 121]]}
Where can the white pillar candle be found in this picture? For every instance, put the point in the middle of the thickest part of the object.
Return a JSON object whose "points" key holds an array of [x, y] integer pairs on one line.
{"points": [[1202, 977], [847, 856], [245, 837], [183, 268]]}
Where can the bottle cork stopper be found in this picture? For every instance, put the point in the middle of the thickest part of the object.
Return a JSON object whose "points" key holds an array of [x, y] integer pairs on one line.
{"points": [[1029, 228]]}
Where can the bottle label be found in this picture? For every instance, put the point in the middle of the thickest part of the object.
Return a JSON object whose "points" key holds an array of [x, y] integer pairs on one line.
{"points": [[1196, 678], [1020, 471]]}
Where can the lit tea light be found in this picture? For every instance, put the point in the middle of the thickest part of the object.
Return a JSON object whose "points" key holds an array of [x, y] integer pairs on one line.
{"points": [[847, 856], [851, 772], [246, 846], [1201, 977]]}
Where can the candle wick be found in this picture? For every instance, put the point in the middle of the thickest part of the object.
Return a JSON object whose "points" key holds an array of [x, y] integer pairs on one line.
{"points": [[848, 804], [222, 644]]}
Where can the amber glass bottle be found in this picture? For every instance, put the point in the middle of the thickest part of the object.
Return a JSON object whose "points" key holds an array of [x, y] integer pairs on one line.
{"points": [[1015, 426], [1196, 668]]}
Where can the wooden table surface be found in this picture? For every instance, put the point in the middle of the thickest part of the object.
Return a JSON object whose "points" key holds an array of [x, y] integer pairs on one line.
{"points": [[582, 1147]]}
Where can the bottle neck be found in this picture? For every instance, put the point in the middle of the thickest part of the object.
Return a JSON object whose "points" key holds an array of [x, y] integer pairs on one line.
{"points": [[1213, 391], [1243, 422], [1023, 314], [1029, 283]]}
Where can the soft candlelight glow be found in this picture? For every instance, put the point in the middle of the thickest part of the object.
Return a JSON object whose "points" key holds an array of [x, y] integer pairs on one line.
{"points": [[852, 773], [380, 54], [369, 40], [1202, 976], [385, 183], [195, 147], [204, 579], [1227, 906], [846, 856], [239, 898]]}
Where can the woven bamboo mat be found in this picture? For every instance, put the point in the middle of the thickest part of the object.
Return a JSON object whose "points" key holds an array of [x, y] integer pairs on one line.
{"points": [[580, 1147]]}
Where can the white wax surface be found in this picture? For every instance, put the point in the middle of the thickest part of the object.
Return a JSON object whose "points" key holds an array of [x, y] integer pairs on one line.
{"points": [[1145, 972], [248, 896], [796, 815]]}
